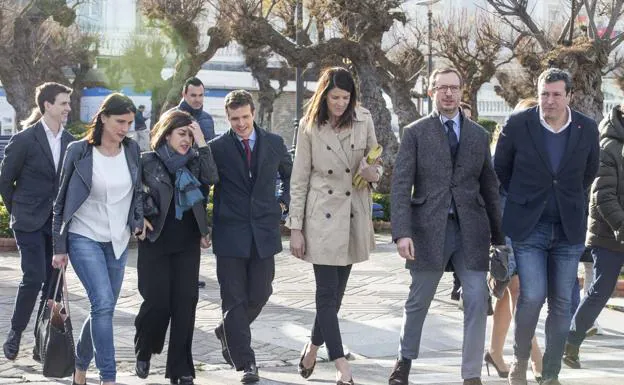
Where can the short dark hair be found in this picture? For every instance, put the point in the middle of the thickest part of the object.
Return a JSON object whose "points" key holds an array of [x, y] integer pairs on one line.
{"points": [[141, 106], [47, 92], [168, 122], [192, 81], [114, 104], [441, 71], [553, 75], [239, 98]]}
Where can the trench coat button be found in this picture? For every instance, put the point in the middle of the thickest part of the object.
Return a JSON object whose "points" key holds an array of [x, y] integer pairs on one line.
{"points": [[328, 215], [348, 193], [348, 170], [330, 192], [352, 146], [351, 215], [330, 171], [329, 148]]}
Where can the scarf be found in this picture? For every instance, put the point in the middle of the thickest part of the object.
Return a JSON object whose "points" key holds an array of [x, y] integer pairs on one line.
{"points": [[186, 187]]}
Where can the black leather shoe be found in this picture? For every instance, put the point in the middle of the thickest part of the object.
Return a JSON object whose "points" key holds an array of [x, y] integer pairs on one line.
{"points": [[250, 375], [36, 355], [12, 344], [224, 349], [142, 368], [400, 373], [184, 380]]}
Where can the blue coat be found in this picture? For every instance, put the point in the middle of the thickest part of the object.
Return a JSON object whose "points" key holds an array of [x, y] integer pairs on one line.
{"points": [[523, 168], [206, 123]]}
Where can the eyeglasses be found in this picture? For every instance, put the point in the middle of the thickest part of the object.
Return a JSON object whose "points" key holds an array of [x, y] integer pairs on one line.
{"points": [[444, 89]]}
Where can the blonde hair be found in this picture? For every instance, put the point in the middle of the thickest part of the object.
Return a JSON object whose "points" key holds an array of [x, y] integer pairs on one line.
{"points": [[525, 103]]}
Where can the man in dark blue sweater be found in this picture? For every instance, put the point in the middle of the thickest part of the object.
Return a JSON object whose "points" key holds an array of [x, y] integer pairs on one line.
{"points": [[546, 159], [193, 103]]}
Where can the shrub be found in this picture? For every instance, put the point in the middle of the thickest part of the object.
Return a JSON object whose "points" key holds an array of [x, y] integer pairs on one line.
{"points": [[5, 231], [384, 201], [77, 129], [489, 125]]}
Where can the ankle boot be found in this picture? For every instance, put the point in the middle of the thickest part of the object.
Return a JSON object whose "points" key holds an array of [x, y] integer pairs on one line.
{"points": [[517, 374], [571, 356]]}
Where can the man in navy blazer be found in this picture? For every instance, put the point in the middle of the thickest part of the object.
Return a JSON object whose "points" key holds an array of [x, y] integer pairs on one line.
{"points": [[29, 176], [246, 225], [546, 159]]}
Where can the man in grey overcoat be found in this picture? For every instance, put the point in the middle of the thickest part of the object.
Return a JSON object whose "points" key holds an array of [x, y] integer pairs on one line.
{"points": [[445, 207]]}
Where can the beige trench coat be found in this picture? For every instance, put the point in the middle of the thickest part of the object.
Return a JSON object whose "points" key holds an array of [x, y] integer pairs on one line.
{"points": [[334, 216]]}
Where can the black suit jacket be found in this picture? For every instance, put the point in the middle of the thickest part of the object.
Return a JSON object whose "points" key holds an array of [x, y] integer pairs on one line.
{"points": [[28, 179], [523, 168], [246, 208]]}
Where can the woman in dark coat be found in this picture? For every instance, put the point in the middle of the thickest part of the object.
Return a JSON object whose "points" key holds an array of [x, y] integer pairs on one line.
{"points": [[605, 232], [176, 177]]}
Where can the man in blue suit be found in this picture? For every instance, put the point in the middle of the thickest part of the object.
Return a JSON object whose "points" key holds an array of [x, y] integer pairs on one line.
{"points": [[246, 225], [28, 184], [546, 159]]}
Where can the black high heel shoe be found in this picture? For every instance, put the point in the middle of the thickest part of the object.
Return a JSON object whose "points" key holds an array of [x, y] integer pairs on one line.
{"points": [[489, 360], [303, 371]]}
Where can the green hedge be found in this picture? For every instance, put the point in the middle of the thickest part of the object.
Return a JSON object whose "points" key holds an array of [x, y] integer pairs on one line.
{"points": [[384, 201], [5, 231]]}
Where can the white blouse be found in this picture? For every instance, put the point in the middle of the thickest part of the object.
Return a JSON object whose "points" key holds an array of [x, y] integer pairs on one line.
{"points": [[103, 217]]}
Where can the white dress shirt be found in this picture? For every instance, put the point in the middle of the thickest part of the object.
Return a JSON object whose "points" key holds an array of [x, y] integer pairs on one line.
{"points": [[103, 217], [54, 142]]}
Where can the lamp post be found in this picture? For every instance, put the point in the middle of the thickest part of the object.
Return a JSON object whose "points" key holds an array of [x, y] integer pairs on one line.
{"points": [[428, 3], [298, 72]]}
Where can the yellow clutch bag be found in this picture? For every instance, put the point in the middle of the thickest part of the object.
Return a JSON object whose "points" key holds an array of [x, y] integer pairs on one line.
{"points": [[372, 157]]}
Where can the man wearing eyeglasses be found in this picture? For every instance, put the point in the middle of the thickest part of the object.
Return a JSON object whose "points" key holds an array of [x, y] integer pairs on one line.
{"points": [[546, 159], [445, 208]]}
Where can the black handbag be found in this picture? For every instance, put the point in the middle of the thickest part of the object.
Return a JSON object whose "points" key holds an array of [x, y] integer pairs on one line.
{"points": [[54, 335]]}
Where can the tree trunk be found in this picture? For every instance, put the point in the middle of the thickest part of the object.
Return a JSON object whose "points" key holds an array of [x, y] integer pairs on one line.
{"points": [[373, 100], [402, 104]]}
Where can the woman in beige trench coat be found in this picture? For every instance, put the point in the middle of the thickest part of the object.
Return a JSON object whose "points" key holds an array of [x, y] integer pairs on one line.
{"points": [[329, 218]]}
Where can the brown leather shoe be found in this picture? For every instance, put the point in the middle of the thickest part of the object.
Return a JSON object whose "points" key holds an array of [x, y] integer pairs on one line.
{"points": [[400, 373], [473, 381]]}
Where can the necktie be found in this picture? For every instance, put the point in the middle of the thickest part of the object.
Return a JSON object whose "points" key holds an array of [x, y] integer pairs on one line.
{"points": [[247, 152], [452, 138]]}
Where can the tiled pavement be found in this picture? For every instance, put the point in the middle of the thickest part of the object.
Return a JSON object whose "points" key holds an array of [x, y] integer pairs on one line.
{"points": [[370, 321]]}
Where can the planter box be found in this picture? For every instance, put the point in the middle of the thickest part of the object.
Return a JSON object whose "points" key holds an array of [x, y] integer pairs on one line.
{"points": [[382, 226], [619, 289], [8, 244]]}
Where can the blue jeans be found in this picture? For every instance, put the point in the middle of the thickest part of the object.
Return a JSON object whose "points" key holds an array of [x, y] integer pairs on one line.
{"points": [[547, 266], [101, 275], [607, 266]]}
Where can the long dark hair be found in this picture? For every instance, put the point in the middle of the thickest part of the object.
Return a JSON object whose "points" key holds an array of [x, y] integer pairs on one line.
{"points": [[114, 104], [317, 111], [167, 123]]}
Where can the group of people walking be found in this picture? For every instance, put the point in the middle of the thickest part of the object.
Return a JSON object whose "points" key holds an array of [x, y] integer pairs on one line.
{"points": [[550, 164], [82, 200]]}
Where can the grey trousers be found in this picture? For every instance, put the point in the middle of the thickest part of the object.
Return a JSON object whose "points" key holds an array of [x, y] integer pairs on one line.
{"points": [[475, 293]]}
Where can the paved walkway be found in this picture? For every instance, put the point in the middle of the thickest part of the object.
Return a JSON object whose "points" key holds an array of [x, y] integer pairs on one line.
{"points": [[370, 322]]}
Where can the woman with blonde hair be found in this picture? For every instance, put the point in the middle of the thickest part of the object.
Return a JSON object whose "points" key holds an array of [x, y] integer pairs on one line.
{"points": [[330, 214], [506, 304]]}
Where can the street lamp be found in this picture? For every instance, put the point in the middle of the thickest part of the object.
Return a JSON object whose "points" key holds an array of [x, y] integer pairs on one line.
{"points": [[428, 3], [298, 71]]}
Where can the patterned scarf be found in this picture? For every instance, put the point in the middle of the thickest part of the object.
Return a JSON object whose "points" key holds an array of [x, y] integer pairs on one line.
{"points": [[186, 192]]}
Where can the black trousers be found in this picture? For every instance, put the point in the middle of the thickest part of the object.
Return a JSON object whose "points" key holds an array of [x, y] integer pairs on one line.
{"points": [[331, 282], [35, 248], [246, 285], [168, 285]]}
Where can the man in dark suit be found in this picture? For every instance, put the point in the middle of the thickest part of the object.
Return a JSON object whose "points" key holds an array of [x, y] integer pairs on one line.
{"points": [[546, 159], [28, 184], [445, 207], [246, 225]]}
